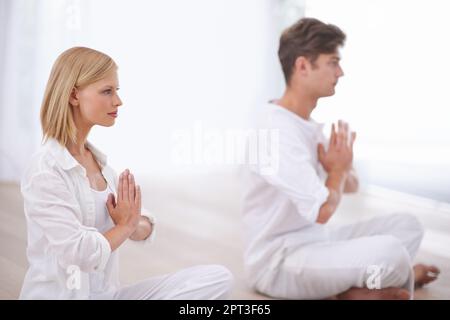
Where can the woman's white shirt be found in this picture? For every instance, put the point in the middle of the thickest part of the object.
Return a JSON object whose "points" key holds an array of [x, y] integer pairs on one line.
{"points": [[65, 247], [98, 283]]}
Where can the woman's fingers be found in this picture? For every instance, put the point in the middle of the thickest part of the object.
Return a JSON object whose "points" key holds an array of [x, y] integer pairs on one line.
{"points": [[131, 187], [120, 188], [125, 184], [109, 203], [137, 199], [113, 200]]}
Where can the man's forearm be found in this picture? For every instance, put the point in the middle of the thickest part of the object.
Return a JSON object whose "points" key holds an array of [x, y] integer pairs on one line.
{"points": [[335, 184], [351, 183]]}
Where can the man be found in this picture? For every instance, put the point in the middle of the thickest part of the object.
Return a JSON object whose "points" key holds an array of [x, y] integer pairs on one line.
{"points": [[291, 250]]}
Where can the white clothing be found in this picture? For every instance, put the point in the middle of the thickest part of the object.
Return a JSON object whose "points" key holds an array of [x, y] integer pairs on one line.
{"points": [[103, 222], [66, 219], [195, 283], [203, 282], [279, 210], [62, 227], [288, 254], [344, 260]]}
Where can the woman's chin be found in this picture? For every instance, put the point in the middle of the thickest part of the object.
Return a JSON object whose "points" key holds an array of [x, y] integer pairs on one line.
{"points": [[109, 123]]}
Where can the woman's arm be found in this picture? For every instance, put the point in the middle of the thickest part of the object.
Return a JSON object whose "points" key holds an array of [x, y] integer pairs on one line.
{"points": [[143, 230], [53, 208], [117, 235]]}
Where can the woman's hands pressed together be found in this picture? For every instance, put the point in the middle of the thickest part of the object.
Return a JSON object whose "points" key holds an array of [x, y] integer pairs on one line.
{"points": [[127, 210], [126, 213]]}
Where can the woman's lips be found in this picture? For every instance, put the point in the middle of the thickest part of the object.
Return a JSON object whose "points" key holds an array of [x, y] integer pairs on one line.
{"points": [[113, 114]]}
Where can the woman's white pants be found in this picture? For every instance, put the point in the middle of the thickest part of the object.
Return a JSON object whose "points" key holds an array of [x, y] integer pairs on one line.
{"points": [[204, 282]]}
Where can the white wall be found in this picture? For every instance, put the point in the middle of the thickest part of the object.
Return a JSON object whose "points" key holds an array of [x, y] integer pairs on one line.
{"points": [[394, 91], [209, 62], [180, 63]]}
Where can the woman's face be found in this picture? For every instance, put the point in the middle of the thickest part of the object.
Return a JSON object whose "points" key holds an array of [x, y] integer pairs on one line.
{"points": [[97, 103]]}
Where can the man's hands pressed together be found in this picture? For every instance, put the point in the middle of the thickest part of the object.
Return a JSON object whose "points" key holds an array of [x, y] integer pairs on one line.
{"points": [[337, 162], [339, 156]]}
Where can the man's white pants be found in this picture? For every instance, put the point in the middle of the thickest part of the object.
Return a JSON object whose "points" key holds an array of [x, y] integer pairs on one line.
{"points": [[373, 253], [203, 282]]}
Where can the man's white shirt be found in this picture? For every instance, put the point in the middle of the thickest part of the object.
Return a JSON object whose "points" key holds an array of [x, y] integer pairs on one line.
{"points": [[280, 209]]}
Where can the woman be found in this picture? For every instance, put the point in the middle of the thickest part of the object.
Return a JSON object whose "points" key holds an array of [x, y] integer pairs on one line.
{"points": [[75, 222]]}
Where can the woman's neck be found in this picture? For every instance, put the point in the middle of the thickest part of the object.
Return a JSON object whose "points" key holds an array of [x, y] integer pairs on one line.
{"points": [[78, 148]]}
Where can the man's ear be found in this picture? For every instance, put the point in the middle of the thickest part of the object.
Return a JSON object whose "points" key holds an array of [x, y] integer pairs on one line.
{"points": [[73, 99], [301, 65]]}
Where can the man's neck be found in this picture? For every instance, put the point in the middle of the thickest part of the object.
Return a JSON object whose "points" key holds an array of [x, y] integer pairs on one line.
{"points": [[298, 102]]}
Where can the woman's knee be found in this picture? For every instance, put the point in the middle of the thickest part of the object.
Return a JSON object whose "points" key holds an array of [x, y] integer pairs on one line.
{"points": [[218, 278], [222, 273]]}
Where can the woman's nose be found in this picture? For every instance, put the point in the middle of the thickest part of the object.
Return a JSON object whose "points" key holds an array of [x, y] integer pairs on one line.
{"points": [[118, 101]]}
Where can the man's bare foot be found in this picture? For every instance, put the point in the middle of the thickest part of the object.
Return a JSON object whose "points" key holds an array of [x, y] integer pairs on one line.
{"points": [[374, 294], [424, 274]]}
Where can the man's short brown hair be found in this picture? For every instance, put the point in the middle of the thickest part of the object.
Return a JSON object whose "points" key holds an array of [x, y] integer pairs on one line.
{"points": [[308, 37]]}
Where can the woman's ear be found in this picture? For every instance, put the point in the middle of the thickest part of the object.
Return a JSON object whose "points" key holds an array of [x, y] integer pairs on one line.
{"points": [[73, 99]]}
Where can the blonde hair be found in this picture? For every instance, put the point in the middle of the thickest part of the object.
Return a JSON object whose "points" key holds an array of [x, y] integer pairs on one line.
{"points": [[74, 68]]}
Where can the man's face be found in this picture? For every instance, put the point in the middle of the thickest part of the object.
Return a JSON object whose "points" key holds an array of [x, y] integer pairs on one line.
{"points": [[323, 74]]}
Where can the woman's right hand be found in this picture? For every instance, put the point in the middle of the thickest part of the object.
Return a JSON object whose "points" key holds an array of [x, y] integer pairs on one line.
{"points": [[127, 211]]}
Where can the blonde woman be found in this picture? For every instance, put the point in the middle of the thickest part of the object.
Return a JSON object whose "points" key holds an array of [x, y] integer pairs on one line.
{"points": [[78, 211]]}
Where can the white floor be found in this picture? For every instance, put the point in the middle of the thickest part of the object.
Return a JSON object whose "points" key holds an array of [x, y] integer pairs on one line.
{"points": [[199, 222]]}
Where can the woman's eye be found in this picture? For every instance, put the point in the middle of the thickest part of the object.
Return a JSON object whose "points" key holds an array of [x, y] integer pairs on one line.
{"points": [[108, 91]]}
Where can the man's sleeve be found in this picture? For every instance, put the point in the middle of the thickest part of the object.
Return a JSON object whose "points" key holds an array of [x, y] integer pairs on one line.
{"points": [[295, 175]]}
